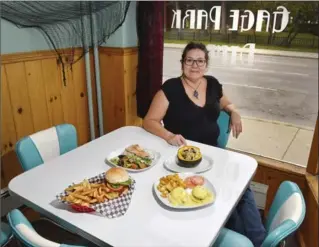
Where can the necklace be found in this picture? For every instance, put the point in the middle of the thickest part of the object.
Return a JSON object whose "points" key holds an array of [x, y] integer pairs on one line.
{"points": [[195, 94]]}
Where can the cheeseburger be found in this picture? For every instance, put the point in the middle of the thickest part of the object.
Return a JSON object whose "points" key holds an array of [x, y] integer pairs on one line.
{"points": [[117, 180]]}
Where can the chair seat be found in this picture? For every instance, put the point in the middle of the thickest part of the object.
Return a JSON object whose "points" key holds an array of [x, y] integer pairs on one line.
{"points": [[6, 233], [229, 238]]}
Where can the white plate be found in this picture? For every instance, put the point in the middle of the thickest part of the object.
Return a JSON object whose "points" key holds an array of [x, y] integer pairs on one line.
{"points": [[155, 156], [205, 165], [206, 184]]}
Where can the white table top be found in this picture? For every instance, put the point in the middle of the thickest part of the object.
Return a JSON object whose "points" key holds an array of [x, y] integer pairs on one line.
{"points": [[146, 223]]}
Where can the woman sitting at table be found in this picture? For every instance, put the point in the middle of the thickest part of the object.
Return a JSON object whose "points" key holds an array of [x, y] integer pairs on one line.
{"points": [[189, 106]]}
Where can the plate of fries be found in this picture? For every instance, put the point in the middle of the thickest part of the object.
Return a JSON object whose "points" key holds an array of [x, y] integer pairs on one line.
{"points": [[93, 195], [85, 194]]}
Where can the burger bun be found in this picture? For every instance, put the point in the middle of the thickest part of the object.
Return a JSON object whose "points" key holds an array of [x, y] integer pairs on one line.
{"points": [[116, 175]]}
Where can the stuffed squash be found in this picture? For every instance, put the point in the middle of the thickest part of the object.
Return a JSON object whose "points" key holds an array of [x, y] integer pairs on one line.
{"points": [[189, 156]]}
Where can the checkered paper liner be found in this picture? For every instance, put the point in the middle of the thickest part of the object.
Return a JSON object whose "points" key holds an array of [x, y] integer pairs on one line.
{"points": [[112, 208]]}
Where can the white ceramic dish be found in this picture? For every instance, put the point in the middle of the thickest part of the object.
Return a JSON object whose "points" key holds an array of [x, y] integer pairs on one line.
{"points": [[155, 156], [205, 165], [166, 202]]}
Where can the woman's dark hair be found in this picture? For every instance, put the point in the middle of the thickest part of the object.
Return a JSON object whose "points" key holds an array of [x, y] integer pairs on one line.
{"points": [[193, 45]]}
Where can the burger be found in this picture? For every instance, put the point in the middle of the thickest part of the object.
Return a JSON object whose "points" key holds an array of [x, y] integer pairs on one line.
{"points": [[118, 180]]}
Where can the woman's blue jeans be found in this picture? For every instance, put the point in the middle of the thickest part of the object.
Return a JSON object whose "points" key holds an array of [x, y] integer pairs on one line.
{"points": [[245, 219]]}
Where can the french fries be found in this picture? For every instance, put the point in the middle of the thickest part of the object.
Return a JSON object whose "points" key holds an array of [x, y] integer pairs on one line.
{"points": [[168, 183], [86, 193]]}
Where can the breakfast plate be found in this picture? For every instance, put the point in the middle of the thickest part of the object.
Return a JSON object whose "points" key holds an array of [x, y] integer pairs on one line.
{"points": [[133, 158], [171, 164], [185, 191]]}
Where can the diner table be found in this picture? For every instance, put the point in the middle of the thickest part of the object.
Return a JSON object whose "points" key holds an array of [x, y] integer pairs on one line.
{"points": [[147, 222]]}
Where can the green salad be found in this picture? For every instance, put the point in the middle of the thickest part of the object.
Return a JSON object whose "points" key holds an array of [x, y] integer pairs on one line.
{"points": [[131, 161]]}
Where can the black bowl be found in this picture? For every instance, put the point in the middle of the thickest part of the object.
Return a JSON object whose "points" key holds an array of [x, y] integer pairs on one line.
{"points": [[188, 164]]}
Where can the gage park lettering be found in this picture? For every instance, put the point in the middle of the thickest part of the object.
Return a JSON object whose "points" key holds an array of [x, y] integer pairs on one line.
{"points": [[246, 20]]}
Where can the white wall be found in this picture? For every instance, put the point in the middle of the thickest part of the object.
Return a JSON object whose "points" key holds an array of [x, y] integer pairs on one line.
{"points": [[126, 35], [14, 39]]}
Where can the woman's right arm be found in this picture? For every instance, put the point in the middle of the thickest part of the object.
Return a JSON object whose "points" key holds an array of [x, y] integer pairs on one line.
{"points": [[152, 120], [155, 114]]}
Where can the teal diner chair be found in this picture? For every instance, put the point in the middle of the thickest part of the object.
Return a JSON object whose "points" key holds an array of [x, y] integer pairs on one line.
{"points": [[229, 238], [6, 234], [285, 216], [26, 234], [223, 122], [44, 145]]}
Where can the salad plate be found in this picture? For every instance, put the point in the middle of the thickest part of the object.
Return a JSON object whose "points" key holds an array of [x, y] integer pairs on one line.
{"points": [[133, 158]]}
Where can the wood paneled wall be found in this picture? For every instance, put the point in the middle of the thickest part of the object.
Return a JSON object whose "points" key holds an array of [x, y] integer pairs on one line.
{"points": [[34, 97], [118, 77]]}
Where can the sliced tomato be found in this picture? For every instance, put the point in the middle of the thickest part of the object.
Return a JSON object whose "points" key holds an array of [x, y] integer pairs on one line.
{"points": [[197, 180], [190, 185], [134, 166], [117, 189], [193, 181], [188, 182]]}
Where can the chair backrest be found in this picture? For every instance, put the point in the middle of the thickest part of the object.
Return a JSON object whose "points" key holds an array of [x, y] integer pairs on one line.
{"points": [[286, 214], [44, 145], [25, 233], [223, 122]]}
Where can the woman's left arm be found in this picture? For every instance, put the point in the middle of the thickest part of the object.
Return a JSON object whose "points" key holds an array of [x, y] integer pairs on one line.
{"points": [[235, 118]]}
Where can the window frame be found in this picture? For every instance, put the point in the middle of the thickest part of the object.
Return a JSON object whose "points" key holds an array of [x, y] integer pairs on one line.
{"points": [[312, 165]]}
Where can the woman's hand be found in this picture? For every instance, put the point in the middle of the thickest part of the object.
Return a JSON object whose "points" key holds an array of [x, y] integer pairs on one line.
{"points": [[235, 124], [177, 140]]}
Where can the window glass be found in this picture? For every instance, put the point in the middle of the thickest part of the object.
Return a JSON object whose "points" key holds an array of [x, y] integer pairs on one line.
{"points": [[272, 78]]}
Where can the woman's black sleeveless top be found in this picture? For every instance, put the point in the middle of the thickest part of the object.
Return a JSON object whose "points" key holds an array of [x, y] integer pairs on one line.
{"points": [[184, 117]]}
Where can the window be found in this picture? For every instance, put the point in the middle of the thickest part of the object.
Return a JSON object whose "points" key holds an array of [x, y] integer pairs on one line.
{"points": [[273, 81]]}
